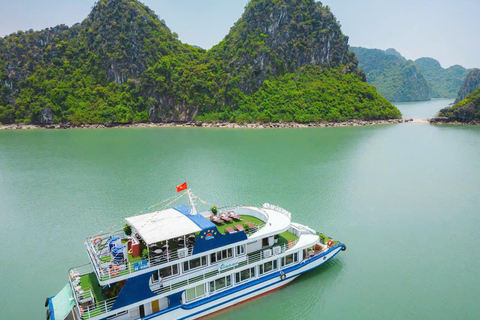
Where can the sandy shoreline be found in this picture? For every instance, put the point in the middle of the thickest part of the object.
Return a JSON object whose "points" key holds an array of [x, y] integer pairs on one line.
{"points": [[198, 124]]}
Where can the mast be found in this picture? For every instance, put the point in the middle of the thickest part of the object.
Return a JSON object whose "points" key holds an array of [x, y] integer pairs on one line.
{"points": [[194, 210]]}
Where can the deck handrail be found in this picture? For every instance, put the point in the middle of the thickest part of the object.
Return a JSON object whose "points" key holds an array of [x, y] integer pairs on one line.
{"points": [[277, 209], [102, 307], [102, 268]]}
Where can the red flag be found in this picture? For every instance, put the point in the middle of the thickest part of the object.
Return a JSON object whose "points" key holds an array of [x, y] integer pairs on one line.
{"points": [[182, 187]]}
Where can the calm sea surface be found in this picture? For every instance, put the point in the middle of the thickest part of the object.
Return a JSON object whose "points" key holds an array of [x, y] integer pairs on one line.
{"points": [[405, 199]]}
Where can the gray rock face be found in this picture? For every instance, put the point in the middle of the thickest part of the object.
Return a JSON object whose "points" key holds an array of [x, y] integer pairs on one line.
{"points": [[274, 37], [171, 109], [46, 116], [471, 83]]}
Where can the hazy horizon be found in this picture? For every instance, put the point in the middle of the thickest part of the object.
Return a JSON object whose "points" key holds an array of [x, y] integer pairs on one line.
{"points": [[416, 29]]}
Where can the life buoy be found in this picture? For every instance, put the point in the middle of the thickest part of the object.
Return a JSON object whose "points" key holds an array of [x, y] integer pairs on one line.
{"points": [[114, 271], [330, 243], [291, 244], [97, 241], [283, 276], [344, 248]]}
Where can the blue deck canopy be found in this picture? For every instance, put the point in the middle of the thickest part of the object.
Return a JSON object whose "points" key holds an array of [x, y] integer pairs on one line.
{"points": [[202, 222]]}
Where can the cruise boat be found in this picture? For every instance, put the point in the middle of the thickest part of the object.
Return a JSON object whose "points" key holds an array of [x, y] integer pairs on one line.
{"points": [[176, 263]]}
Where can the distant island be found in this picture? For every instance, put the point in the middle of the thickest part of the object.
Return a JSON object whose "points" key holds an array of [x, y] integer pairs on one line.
{"points": [[282, 61], [467, 106], [396, 78], [471, 83], [402, 80]]}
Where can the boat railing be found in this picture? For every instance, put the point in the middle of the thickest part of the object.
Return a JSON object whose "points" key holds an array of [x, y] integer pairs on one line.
{"points": [[254, 229], [109, 270], [277, 209], [101, 307]]}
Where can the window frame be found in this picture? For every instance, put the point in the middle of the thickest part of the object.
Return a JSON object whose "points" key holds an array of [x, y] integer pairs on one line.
{"points": [[240, 279], [187, 265], [294, 256], [227, 280], [261, 268], [157, 274], [240, 250], [221, 255], [195, 293]]}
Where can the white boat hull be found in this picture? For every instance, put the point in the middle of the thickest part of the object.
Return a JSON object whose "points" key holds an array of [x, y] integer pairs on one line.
{"points": [[245, 294]]}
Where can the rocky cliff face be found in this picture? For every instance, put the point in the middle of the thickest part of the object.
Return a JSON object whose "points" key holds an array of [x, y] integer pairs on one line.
{"points": [[471, 83], [23, 52], [465, 111], [396, 78], [444, 83], [275, 37], [122, 64], [127, 37]]}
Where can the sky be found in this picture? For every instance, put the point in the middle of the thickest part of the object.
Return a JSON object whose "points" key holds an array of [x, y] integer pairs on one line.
{"points": [[445, 30]]}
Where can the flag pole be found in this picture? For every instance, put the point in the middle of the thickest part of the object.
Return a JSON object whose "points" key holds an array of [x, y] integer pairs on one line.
{"points": [[194, 210]]}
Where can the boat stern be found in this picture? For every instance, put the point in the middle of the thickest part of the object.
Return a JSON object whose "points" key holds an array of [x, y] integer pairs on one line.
{"points": [[60, 306]]}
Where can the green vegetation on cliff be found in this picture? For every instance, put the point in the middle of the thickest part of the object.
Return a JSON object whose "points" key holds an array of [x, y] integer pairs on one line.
{"points": [[444, 83], [122, 64], [311, 94], [471, 83], [395, 78], [466, 110], [402, 80]]}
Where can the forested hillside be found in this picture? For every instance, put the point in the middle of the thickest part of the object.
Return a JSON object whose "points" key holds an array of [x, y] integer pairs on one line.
{"points": [[396, 78], [464, 111], [122, 64], [444, 83], [471, 83]]}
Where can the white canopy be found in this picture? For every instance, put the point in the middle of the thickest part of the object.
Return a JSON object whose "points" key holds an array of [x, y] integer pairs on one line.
{"points": [[162, 225]]}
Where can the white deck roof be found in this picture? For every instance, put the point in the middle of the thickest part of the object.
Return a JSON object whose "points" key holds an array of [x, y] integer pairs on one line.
{"points": [[275, 222], [162, 225]]}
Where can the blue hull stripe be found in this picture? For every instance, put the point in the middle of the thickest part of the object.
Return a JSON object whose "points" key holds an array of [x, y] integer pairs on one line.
{"points": [[242, 287]]}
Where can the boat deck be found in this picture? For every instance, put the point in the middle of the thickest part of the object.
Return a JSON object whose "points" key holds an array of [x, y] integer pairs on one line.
{"points": [[257, 223], [104, 298]]}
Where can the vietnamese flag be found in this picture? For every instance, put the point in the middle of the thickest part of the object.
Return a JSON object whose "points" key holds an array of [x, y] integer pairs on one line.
{"points": [[182, 187]]}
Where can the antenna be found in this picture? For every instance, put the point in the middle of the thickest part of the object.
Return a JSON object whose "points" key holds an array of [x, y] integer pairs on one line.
{"points": [[194, 210]]}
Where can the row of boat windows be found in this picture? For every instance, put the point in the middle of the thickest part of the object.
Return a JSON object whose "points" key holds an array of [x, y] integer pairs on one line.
{"points": [[244, 275], [197, 263]]}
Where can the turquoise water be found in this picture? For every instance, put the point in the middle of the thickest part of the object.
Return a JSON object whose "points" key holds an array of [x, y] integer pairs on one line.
{"points": [[404, 198], [422, 110]]}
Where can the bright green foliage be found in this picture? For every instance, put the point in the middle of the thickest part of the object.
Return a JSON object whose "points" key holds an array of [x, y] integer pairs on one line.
{"points": [[311, 94], [395, 78], [464, 111], [122, 64], [471, 83]]}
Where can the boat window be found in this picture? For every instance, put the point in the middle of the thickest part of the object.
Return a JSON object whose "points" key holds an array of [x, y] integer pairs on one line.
{"points": [[220, 284], [165, 273], [221, 255], [244, 275], [195, 292], [194, 263], [240, 250], [291, 258], [267, 267]]}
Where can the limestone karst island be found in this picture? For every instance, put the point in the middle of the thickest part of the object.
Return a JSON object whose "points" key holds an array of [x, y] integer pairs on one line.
{"points": [[259, 159]]}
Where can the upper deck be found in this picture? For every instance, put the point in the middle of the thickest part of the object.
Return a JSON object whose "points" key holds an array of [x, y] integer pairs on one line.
{"points": [[171, 236], [95, 303]]}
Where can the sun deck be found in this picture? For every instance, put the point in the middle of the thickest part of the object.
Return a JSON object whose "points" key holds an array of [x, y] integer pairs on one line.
{"points": [[103, 300], [145, 249]]}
